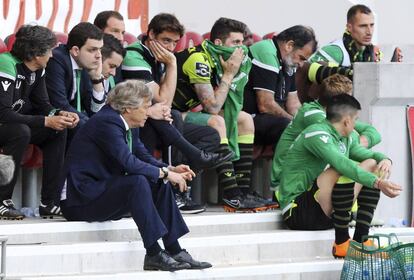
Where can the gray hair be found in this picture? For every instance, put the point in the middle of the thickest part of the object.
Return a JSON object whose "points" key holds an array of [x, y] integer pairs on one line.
{"points": [[6, 169], [128, 94]]}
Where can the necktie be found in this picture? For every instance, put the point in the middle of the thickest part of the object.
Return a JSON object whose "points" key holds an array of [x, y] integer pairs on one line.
{"points": [[129, 139], [111, 82], [78, 95], [129, 142]]}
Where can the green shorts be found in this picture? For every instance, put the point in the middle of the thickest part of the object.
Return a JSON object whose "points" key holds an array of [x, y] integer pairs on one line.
{"points": [[198, 118]]}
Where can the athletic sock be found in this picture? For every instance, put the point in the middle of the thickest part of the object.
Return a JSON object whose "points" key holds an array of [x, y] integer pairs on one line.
{"points": [[367, 203], [243, 166], [226, 176], [342, 200]]}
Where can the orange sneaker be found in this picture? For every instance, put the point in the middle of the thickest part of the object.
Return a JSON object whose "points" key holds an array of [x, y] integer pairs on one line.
{"points": [[340, 250], [370, 244]]}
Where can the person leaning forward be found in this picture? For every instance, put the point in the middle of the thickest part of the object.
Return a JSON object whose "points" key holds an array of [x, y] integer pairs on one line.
{"points": [[27, 117], [109, 173]]}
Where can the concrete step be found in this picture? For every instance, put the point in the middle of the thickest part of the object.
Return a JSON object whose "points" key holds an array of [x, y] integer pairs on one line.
{"points": [[109, 257], [276, 246], [319, 269], [213, 221]]}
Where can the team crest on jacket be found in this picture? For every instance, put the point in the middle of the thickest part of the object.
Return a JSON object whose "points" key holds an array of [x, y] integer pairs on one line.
{"points": [[5, 85], [342, 148]]}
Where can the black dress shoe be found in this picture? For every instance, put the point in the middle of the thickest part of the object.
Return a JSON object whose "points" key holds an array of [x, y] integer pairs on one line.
{"points": [[163, 261], [211, 160], [185, 257]]}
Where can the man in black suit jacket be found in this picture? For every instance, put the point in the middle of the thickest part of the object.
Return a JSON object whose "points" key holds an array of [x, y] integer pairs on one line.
{"points": [[109, 173], [74, 72]]}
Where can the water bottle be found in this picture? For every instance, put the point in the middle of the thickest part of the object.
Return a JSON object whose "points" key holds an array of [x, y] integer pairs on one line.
{"points": [[36, 212], [396, 222], [27, 211]]}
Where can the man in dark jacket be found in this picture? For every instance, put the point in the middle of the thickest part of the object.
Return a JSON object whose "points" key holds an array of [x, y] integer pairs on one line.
{"points": [[110, 173], [26, 116], [75, 70]]}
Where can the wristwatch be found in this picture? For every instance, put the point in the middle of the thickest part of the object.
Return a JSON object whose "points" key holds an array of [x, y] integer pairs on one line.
{"points": [[165, 171], [98, 81], [54, 112]]}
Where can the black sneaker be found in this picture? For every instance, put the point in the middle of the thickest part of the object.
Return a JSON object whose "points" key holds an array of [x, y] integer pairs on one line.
{"points": [[50, 211], [269, 203], [211, 160], [179, 200], [9, 212], [243, 203], [189, 206]]}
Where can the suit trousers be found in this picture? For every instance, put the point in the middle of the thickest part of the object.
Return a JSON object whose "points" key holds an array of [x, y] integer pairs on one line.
{"points": [[161, 134], [152, 206], [14, 138]]}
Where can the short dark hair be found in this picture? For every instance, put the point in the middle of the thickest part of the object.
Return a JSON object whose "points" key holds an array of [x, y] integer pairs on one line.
{"points": [[224, 26], [357, 9], [340, 106], [81, 33], [101, 19], [111, 44], [300, 35], [32, 41], [165, 22]]}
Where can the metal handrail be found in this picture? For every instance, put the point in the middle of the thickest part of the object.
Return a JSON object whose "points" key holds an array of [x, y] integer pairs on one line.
{"points": [[3, 240]]}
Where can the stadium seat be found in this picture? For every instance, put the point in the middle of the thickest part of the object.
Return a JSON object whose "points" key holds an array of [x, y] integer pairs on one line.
{"points": [[265, 152], [206, 36], [130, 38], [269, 35], [181, 44], [250, 39], [193, 39], [190, 39], [62, 38], [31, 162], [256, 38], [9, 41], [140, 36], [3, 47], [32, 157]]}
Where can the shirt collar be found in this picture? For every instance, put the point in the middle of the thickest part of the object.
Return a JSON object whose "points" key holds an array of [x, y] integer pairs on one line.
{"points": [[125, 123], [75, 66], [279, 55], [333, 130]]}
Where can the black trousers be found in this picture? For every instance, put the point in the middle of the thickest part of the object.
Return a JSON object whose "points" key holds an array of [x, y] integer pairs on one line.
{"points": [[268, 129], [152, 206], [160, 134], [15, 137]]}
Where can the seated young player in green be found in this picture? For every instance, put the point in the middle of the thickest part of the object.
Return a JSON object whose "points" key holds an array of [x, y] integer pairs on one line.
{"points": [[309, 195]]}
